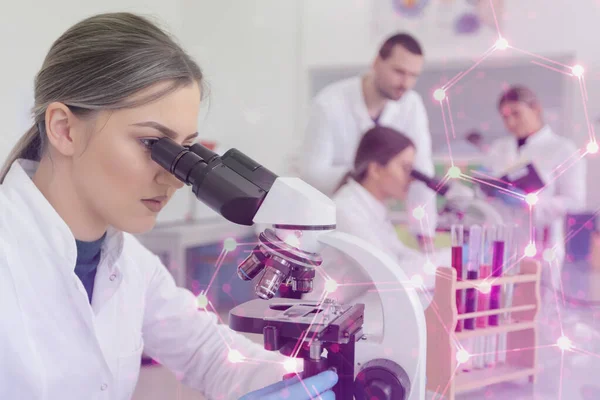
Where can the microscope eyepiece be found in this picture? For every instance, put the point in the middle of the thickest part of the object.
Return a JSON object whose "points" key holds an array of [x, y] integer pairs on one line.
{"points": [[233, 185]]}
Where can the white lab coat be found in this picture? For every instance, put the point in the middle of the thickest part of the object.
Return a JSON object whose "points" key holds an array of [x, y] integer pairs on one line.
{"points": [[360, 214], [338, 120], [55, 345], [567, 193]]}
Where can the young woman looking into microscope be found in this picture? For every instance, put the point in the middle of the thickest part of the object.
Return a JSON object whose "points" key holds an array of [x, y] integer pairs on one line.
{"points": [[80, 296]]}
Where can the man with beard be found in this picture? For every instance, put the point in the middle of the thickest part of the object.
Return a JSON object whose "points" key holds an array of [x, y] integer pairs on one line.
{"points": [[343, 111]]}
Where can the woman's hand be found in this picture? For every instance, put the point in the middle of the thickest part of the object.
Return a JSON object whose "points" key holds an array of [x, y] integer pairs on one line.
{"points": [[315, 387]]}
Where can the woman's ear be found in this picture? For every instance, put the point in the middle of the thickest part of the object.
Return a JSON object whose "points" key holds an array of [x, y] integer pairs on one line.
{"points": [[374, 170], [59, 122]]}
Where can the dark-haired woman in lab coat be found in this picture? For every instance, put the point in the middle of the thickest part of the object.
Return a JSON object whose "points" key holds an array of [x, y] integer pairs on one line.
{"points": [[382, 168]]}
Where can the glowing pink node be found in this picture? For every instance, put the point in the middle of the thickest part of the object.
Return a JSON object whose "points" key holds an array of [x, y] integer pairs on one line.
{"points": [[202, 300], [331, 286], [592, 147], [429, 268], [235, 356], [439, 94], [485, 287], [577, 70], [531, 199], [418, 213], [501, 44], [564, 343], [291, 365], [229, 244], [530, 250], [454, 172], [462, 356]]}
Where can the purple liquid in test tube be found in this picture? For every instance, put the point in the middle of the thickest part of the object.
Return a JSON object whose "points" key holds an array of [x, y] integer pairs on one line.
{"points": [[497, 270], [473, 263], [458, 241]]}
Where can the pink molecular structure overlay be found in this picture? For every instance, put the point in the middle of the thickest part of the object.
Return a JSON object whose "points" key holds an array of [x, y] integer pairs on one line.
{"points": [[441, 95]]}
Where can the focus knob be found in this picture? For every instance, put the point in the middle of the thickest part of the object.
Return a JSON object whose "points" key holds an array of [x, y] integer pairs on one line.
{"points": [[302, 286], [379, 390], [381, 379]]}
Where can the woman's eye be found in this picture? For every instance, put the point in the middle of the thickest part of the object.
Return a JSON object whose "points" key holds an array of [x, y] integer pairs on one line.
{"points": [[148, 142]]}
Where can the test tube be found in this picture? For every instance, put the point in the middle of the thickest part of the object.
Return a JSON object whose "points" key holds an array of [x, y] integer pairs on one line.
{"points": [[457, 234], [497, 270], [474, 259], [483, 297], [512, 257]]}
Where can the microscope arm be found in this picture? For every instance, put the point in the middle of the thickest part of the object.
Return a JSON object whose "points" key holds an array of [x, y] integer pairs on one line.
{"points": [[399, 304], [303, 221]]}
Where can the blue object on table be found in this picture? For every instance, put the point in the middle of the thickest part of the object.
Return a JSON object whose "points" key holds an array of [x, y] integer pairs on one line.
{"points": [[319, 386], [579, 228]]}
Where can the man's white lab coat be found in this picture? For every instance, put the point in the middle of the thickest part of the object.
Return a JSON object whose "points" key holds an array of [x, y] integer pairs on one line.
{"points": [[55, 345], [338, 120], [559, 163]]}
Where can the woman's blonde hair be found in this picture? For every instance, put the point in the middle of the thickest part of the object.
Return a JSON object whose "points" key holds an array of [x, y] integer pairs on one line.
{"points": [[518, 93], [98, 64]]}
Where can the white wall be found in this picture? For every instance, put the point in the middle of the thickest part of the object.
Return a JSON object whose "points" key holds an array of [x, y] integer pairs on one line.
{"points": [[27, 30], [349, 32], [249, 51]]}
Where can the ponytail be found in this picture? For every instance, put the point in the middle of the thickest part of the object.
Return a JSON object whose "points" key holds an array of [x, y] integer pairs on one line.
{"points": [[358, 175], [28, 147], [344, 180]]}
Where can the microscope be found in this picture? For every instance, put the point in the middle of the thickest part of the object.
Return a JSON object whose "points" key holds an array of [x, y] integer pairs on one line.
{"points": [[377, 353], [463, 205]]}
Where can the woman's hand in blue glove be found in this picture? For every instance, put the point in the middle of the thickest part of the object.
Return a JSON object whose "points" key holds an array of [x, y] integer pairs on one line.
{"points": [[315, 387]]}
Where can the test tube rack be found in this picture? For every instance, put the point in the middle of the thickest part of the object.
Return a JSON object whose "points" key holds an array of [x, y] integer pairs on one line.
{"points": [[444, 373]]}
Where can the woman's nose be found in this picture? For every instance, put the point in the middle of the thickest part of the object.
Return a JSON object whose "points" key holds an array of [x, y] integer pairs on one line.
{"points": [[166, 178]]}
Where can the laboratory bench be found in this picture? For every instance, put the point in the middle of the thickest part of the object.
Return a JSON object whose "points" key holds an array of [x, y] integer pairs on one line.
{"points": [[191, 250]]}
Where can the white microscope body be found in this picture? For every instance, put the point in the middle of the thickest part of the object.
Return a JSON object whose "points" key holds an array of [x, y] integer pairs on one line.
{"points": [[388, 342], [395, 332]]}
